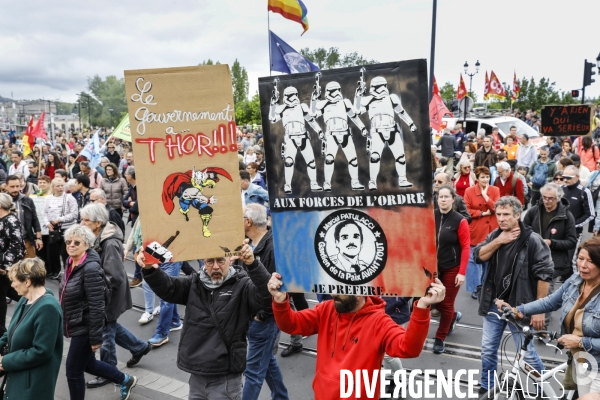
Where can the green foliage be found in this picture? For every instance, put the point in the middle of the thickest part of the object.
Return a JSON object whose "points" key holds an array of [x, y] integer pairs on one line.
{"points": [[63, 108], [535, 95], [327, 59], [239, 81], [209, 62], [103, 95], [248, 112], [473, 96], [447, 92]]}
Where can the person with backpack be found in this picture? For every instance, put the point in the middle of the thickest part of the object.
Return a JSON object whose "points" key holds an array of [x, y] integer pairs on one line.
{"points": [[109, 245], [541, 172], [508, 182], [83, 303]]}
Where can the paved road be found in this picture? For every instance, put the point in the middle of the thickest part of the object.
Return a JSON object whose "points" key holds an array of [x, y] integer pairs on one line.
{"points": [[159, 377]]}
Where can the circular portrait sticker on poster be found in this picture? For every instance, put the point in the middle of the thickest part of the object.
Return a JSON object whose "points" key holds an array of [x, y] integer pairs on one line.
{"points": [[351, 247]]}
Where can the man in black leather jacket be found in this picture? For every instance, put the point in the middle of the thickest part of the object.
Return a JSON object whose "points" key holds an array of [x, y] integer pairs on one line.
{"points": [[220, 294]]}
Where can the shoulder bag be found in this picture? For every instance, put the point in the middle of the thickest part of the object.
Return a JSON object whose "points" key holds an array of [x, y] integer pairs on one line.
{"points": [[56, 235]]}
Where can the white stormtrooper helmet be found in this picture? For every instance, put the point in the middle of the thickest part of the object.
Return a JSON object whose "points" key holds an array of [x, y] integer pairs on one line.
{"points": [[378, 87], [333, 92], [290, 96]]}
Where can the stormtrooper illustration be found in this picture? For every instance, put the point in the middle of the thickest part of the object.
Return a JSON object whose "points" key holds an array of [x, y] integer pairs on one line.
{"points": [[335, 111], [381, 106], [293, 115]]}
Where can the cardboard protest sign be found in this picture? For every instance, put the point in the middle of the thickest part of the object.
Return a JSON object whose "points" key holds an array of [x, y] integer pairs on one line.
{"points": [[186, 161], [567, 120], [349, 165]]}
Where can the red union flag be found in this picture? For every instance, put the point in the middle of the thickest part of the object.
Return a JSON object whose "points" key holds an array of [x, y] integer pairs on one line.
{"points": [[462, 89], [437, 110], [486, 89], [496, 90], [516, 89]]}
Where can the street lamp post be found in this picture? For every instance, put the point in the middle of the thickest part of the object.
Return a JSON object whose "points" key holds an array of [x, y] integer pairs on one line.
{"points": [[598, 63], [111, 117], [466, 66]]}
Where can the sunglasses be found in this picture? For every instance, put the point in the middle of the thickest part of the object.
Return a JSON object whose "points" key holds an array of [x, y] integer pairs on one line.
{"points": [[567, 177], [76, 243], [557, 179]]}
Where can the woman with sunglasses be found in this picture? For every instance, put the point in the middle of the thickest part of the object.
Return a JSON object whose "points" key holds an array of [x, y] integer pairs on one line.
{"points": [[82, 299], [464, 177]]}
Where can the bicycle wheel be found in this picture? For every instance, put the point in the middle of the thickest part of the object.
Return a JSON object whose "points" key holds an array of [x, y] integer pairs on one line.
{"points": [[500, 393]]}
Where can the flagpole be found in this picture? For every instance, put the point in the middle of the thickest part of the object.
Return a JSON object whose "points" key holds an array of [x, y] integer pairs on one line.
{"points": [[269, 35], [432, 55]]}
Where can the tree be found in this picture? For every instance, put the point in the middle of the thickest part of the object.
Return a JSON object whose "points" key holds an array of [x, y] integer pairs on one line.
{"points": [[239, 81], [447, 92], [209, 62], [327, 59], [105, 94], [534, 96]]}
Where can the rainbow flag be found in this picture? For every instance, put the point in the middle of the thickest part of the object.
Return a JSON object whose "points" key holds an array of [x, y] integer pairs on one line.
{"points": [[294, 10]]}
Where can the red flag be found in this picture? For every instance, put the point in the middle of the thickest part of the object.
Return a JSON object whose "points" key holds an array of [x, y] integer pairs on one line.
{"points": [[39, 131], [486, 90], [516, 89], [496, 89], [28, 139], [436, 89], [462, 89], [437, 110]]}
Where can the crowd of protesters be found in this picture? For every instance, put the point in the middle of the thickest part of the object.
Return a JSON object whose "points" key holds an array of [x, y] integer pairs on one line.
{"points": [[64, 219]]}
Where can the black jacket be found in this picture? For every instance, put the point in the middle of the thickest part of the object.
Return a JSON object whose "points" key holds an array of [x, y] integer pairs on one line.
{"points": [[264, 253], [531, 264], [31, 222], [115, 217], [582, 204], [561, 231], [447, 143], [114, 158], [449, 249], [459, 206], [82, 299], [133, 209], [109, 246], [201, 349]]}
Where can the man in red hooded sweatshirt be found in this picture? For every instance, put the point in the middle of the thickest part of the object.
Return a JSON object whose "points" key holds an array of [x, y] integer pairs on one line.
{"points": [[354, 333]]}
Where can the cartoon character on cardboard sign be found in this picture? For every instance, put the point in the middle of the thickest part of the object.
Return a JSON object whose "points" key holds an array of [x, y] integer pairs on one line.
{"points": [[188, 187]]}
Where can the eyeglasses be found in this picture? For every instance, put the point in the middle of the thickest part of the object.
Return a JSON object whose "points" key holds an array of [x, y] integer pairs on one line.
{"points": [[75, 243], [466, 167], [211, 261], [548, 199], [567, 177], [559, 179]]}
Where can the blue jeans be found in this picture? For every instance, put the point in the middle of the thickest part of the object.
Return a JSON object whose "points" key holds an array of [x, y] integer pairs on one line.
{"points": [[148, 298], [475, 273], [115, 333], [81, 359], [261, 364], [138, 271], [493, 329], [168, 311]]}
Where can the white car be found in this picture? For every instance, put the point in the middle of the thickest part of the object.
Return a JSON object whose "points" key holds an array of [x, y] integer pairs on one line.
{"points": [[488, 122]]}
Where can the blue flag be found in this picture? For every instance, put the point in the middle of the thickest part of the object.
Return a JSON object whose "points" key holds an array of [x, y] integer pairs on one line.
{"points": [[92, 151], [287, 60]]}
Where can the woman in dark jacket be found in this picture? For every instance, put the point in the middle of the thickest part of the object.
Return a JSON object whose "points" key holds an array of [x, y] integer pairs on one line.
{"points": [[34, 337], [115, 187], [453, 250], [82, 298], [12, 249]]}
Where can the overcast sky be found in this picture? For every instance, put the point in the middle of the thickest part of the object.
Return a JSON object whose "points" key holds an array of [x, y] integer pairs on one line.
{"points": [[48, 50]]}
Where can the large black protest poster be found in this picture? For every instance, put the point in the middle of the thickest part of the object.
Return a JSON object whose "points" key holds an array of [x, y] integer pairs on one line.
{"points": [[349, 166]]}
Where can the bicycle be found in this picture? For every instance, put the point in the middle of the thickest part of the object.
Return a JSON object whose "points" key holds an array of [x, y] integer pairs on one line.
{"points": [[508, 384]]}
